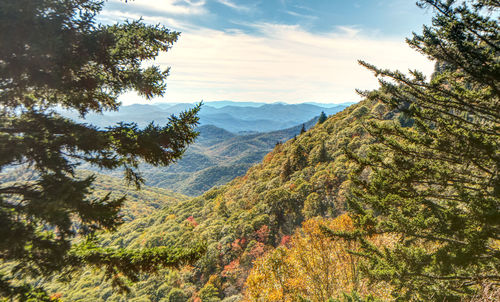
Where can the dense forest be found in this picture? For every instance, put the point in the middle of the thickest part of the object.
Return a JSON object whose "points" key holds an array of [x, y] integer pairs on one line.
{"points": [[395, 198], [300, 179]]}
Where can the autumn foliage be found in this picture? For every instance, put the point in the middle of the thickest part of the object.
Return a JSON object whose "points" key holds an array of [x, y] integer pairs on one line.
{"points": [[312, 266]]}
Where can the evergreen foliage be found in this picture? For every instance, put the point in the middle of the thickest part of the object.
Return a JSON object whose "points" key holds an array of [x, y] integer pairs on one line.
{"points": [[176, 295], [433, 179], [286, 170], [322, 118], [424, 183], [298, 159], [209, 293], [303, 129], [323, 153], [54, 55]]}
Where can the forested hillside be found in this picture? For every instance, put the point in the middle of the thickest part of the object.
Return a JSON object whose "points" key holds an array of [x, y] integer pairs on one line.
{"points": [[300, 179], [138, 204], [216, 157]]}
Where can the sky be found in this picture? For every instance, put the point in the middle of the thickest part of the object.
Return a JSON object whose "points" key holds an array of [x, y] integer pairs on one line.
{"points": [[289, 51]]}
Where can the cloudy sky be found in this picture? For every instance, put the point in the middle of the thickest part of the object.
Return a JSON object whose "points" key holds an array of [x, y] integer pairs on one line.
{"points": [[277, 50]]}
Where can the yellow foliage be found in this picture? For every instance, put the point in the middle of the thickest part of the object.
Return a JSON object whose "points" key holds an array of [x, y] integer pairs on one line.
{"points": [[314, 266]]}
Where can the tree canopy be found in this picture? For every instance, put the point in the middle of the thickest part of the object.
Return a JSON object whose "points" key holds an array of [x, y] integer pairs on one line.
{"points": [[432, 177], [54, 55], [322, 118], [311, 266]]}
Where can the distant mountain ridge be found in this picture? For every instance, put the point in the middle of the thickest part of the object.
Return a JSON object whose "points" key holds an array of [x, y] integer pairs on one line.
{"points": [[220, 104], [234, 117]]}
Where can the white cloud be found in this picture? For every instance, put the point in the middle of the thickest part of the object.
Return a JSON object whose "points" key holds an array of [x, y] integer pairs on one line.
{"points": [[295, 14], [233, 5], [349, 31], [279, 63], [304, 8], [113, 16], [171, 7]]}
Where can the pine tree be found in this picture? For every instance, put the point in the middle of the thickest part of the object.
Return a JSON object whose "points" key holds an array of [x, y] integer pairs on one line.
{"points": [[322, 118], [286, 170], [298, 159], [53, 55], [435, 184], [323, 153], [303, 129]]}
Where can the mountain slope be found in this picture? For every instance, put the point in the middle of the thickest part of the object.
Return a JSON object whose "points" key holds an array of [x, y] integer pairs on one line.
{"points": [[302, 178], [138, 204]]}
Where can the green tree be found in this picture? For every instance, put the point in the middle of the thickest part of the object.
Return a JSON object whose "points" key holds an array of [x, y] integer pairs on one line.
{"points": [[313, 206], [176, 295], [53, 55], [318, 154], [322, 118], [282, 207], [209, 293], [303, 129], [286, 170], [323, 153], [298, 158], [434, 183]]}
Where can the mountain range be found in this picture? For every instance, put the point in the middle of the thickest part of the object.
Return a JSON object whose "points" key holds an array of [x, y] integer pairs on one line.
{"points": [[233, 117]]}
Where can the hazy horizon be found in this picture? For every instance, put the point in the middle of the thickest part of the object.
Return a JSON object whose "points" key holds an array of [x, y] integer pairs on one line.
{"points": [[159, 102]]}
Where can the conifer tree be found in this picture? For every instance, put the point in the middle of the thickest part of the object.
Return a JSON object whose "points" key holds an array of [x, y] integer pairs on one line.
{"points": [[303, 129], [286, 170], [298, 158], [322, 118], [53, 55], [434, 183], [323, 154]]}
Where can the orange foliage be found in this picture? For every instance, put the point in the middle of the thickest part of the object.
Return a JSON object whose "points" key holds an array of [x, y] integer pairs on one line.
{"points": [[55, 297], [258, 250], [238, 244], [268, 158], [234, 265], [262, 234], [285, 240], [313, 265], [192, 221]]}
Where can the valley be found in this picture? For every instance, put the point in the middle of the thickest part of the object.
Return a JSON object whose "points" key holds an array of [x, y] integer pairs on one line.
{"points": [[218, 155], [299, 196]]}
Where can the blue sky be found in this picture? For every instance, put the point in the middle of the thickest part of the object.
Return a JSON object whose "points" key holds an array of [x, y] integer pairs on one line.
{"points": [[277, 50]]}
